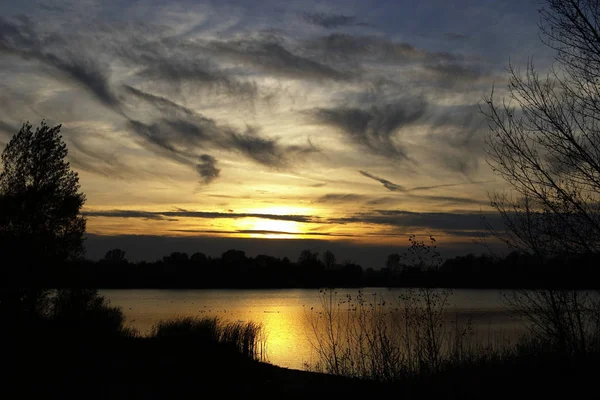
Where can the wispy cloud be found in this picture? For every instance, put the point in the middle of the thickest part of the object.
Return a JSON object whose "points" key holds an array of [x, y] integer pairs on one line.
{"points": [[393, 187], [387, 184], [20, 38], [270, 55], [329, 21], [182, 130], [375, 129]]}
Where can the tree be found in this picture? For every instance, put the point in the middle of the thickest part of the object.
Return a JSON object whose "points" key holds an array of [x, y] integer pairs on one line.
{"points": [[329, 259], [308, 258], [40, 201], [199, 258], [544, 140], [393, 262], [115, 256]]}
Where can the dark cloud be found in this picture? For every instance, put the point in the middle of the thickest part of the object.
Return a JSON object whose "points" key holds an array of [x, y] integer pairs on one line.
{"points": [[398, 188], [273, 57], [162, 139], [375, 129], [329, 21], [455, 36], [125, 214], [161, 103], [262, 150], [435, 221], [451, 74], [183, 129], [341, 198], [441, 221], [21, 39], [207, 168], [177, 62], [159, 215], [387, 184], [448, 200], [369, 49]]}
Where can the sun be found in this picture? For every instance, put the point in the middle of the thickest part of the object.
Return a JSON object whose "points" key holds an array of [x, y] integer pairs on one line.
{"points": [[273, 228], [268, 228]]}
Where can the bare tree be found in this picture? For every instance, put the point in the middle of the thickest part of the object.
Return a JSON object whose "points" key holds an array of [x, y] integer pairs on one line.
{"points": [[545, 139], [544, 142]]}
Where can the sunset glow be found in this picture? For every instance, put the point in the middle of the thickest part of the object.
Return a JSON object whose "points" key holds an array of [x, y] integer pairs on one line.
{"points": [[270, 120]]}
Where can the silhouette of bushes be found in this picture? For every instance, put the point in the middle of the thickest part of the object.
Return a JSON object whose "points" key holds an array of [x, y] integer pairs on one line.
{"points": [[83, 312], [245, 338]]}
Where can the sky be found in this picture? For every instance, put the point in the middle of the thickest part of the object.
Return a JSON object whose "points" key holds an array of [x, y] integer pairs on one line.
{"points": [[270, 126]]}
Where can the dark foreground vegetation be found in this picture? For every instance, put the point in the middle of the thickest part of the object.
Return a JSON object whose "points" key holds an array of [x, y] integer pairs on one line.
{"points": [[234, 270], [72, 344]]}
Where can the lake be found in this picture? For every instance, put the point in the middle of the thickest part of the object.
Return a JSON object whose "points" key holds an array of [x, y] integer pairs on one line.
{"points": [[283, 313]]}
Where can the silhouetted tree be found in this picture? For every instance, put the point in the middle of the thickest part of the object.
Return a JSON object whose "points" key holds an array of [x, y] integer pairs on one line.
{"points": [[176, 257], [199, 258], [307, 257], [115, 256], [393, 262], [329, 259], [40, 201], [233, 256], [545, 142]]}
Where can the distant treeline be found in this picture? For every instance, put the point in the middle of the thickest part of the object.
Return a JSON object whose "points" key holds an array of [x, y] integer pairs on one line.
{"points": [[235, 270]]}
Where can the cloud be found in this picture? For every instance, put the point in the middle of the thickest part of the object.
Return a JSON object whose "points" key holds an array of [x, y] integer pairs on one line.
{"points": [[329, 21], [260, 232], [271, 56], [341, 198], [161, 215], [387, 184], [453, 73], [181, 130], [455, 36], [161, 103], [178, 62], [207, 168], [443, 221], [8, 128], [371, 49], [398, 188], [374, 129], [21, 39]]}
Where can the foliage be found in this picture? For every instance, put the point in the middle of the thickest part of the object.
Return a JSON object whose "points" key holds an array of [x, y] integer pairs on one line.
{"points": [[115, 256], [328, 259], [246, 338], [422, 256], [40, 202], [85, 313]]}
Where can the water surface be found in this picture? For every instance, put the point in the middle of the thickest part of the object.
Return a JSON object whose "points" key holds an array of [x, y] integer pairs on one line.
{"points": [[283, 313]]}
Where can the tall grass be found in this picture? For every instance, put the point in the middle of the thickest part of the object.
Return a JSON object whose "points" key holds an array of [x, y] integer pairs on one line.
{"points": [[246, 338], [370, 338]]}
